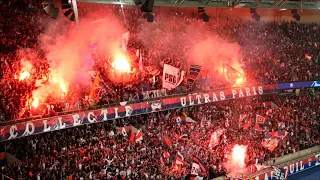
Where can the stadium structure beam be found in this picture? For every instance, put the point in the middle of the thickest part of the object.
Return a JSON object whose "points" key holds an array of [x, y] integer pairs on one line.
{"points": [[284, 4], [174, 2], [280, 3], [257, 3]]}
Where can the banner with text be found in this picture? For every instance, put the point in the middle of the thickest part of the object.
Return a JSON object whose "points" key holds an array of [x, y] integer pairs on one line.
{"points": [[296, 85], [171, 77], [290, 168], [154, 94], [32, 127]]}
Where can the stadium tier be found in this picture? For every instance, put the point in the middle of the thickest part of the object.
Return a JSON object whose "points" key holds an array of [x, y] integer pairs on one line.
{"points": [[94, 91]]}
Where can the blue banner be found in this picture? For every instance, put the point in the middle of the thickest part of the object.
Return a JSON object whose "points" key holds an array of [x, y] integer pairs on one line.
{"points": [[297, 85]]}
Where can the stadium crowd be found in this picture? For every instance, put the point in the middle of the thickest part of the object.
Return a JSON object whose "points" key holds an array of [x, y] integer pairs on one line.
{"points": [[295, 56], [272, 52], [104, 151]]}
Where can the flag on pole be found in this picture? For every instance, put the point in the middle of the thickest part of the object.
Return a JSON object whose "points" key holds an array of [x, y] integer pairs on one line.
{"points": [[257, 128], [179, 158], [194, 72], [270, 144], [227, 123], [247, 125], [167, 141], [195, 169], [278, 134], [183, 137], [140, 62], [172, 77], [242, 120], [260, 119], [131, 136], [124, 132], [125, 40], [166, 154], [202, 166], [139, 136], [230, 73]]}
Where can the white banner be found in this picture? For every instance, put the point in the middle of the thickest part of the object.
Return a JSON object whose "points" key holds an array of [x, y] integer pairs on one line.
{"points": [[154, 94], [171, 77], [195, 169]]}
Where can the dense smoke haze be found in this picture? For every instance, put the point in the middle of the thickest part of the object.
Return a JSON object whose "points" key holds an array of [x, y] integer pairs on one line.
{"points": [[68, 49], [171, 36]]}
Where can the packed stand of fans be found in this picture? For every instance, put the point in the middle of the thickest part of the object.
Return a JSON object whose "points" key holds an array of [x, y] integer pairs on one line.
{"points": [[100, 151], [263, 62]]}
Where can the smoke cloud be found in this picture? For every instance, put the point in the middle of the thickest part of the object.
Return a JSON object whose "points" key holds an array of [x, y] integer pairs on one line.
{"points": [[189, 41], [68, 48]]}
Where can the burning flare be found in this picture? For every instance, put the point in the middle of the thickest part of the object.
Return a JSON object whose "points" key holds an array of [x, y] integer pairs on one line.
{"points": [[239, 155], [121, 64], [61, 82], [24, 75], [35, 102], [239, 80], [26, 68]]}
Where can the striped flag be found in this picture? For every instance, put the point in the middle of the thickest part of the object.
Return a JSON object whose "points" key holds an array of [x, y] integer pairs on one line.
{"points": [[194, 72], [183, 137], [202, 166], [3, 159]]}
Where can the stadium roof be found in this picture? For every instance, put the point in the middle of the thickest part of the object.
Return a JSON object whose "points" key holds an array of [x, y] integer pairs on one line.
{"points": [[274, 4]]}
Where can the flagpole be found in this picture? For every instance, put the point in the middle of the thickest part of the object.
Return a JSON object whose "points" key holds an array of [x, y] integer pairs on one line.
{"points": [[75, 10], [205, 80]]}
